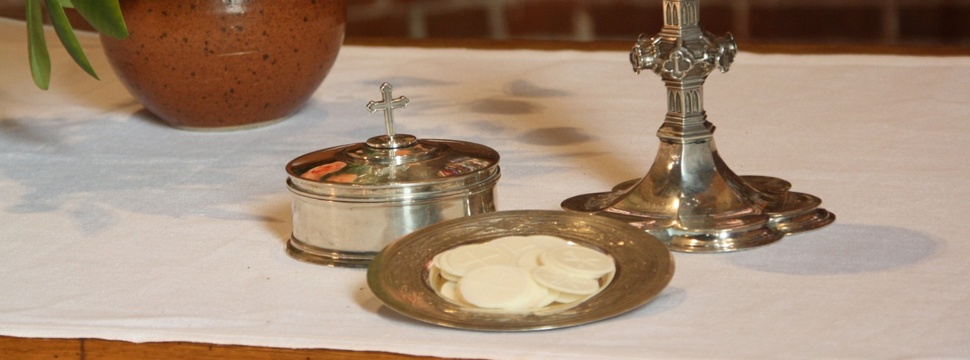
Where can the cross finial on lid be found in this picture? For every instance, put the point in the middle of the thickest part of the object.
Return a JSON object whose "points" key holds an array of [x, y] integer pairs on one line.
{"points": [[387, 104]]}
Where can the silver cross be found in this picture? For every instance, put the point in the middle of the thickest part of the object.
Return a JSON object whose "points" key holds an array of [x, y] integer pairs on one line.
{"points": [[387, 104]]}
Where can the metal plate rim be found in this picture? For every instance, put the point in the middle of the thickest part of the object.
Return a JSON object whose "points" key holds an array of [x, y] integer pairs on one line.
{"points": [[398, 275]]}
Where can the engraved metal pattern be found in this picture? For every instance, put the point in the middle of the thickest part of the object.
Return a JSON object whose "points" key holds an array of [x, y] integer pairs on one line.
{"points": [[689, 198], [400, 274]]}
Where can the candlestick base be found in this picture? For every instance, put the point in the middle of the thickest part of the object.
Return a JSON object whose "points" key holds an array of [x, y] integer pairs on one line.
{"points": [[690, 199], [693, 202]]}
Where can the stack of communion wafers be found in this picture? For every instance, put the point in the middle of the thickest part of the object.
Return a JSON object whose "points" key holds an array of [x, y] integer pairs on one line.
{"points": [[520, 273]]}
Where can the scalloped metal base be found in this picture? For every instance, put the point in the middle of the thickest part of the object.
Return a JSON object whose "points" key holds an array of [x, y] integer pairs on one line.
{"points": [[689, 198], [784, 213]]}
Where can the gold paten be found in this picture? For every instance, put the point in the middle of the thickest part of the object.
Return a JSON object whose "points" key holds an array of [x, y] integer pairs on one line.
{"points": [[400, 274]]}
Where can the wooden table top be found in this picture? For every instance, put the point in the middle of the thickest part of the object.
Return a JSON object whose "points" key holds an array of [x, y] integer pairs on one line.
{"points": [[96, 349]]}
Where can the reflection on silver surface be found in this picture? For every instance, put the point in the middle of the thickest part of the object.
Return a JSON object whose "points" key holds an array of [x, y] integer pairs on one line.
{"points": [[350, 201], [400, 275], [689, 198]]}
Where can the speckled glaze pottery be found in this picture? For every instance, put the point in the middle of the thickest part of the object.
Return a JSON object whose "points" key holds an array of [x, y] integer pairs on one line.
{"points": [[226, 64]]}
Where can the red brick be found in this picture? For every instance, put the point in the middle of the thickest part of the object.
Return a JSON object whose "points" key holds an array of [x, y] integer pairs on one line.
{"points": [[938, 22], [948, 24], [718, 19], [393, 25], [541, 18], [463, 23], [623, 21], [816, 23]]}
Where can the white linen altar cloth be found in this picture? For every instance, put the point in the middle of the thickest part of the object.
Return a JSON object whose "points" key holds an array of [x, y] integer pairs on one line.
{"points": [[115, 226]]}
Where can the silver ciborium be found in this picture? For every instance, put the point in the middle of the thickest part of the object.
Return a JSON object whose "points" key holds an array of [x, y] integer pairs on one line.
{"points": [[689, 198]]}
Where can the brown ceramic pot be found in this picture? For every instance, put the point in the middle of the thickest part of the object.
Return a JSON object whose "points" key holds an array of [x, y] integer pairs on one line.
{"points": [[222, 64]]}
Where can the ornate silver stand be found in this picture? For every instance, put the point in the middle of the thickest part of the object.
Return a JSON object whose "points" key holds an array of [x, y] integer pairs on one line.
{"points": [[690, 199]]}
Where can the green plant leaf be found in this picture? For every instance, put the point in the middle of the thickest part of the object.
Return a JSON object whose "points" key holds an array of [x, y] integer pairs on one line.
{"points": [[66, 3], [64, 31], [40, 60], [104, 15]]}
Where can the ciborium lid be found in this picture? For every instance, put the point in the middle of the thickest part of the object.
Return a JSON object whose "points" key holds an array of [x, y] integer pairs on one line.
{"points": [[394, 165]]}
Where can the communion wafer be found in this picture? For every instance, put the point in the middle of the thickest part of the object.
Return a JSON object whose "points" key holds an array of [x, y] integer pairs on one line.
{"points": [[520, 244], [498, 287], [562, 281], [493, 278], [529, 259], [541, 296], [448, 276], [463, 259], [566, 298], [578, 260], [514, 244], [449, 291], [549, 298], [547, 241], [436, 270]]}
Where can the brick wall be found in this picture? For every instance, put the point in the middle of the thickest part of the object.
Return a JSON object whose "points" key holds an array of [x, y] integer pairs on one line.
{"points": [[888, 22]]}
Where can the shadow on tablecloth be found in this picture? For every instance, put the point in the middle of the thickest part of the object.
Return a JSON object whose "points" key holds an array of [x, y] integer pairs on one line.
{"points": [[842, 249]]}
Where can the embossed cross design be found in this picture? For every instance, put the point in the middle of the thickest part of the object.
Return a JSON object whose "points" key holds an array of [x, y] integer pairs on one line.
{"points": [[388, 104], [678, 64], [480, 262]]}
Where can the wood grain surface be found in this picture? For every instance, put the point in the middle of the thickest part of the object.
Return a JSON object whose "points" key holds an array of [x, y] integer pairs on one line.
{"points": [[15, 348]]}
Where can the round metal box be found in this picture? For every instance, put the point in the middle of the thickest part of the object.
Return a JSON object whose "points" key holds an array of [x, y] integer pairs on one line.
{"points": [[350, 201]]}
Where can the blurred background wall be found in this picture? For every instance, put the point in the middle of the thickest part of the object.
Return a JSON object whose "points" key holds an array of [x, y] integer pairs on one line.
{"points": [[854, 22], [883, 22]]}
